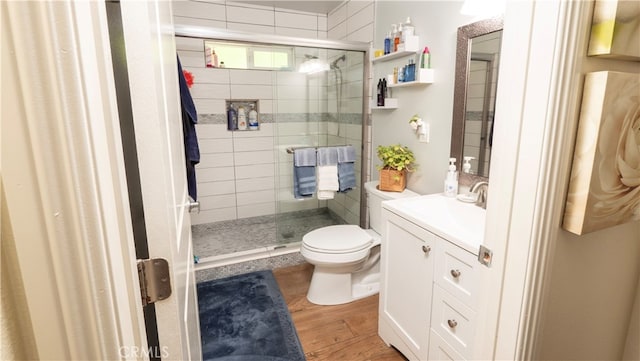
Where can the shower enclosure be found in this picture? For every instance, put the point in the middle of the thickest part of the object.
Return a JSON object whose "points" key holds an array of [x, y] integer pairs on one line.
{"points": [[308, 93]]}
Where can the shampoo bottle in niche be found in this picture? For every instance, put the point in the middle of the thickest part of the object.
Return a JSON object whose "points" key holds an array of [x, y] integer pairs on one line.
{"points": [[232, 118], [451, 181], [253, 118], [242, 118]]}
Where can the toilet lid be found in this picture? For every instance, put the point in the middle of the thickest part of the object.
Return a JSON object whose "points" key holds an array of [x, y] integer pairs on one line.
{"points": [[337, 239]]}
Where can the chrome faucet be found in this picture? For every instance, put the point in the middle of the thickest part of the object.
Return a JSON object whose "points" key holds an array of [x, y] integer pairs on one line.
{"points": [[482, 188]]}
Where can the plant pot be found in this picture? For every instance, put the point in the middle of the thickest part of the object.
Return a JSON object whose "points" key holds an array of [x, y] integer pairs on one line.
{"points": [[392, 180]]}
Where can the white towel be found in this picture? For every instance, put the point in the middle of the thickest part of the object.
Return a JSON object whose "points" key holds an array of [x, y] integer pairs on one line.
{"points": [[327, 181]]}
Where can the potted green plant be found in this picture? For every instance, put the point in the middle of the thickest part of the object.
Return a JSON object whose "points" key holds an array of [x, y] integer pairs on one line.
{"points": [[397, 160]]}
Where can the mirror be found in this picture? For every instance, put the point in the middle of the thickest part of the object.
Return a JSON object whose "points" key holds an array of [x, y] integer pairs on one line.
{"points": [[477, 60]]}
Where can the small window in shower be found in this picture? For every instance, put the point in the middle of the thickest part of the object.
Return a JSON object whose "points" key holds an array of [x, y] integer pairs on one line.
{"points": [[248, 56]]}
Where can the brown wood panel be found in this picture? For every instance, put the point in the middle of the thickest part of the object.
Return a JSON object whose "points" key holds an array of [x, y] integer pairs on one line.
{"points": [[346, 332]]}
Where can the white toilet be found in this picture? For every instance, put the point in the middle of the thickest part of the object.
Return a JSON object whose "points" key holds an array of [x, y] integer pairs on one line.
{"points": [[346, 257]]}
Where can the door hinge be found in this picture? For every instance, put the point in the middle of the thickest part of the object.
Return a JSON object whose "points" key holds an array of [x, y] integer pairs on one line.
{"points": [[485, 255], [155, 283]]}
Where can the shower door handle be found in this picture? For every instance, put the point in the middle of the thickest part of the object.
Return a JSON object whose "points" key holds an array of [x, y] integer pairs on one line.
{"points": [[194, 206]]}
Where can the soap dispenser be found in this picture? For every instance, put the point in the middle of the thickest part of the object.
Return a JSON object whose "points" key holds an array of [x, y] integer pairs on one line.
{"points": [[466, 166], [451, 181]]}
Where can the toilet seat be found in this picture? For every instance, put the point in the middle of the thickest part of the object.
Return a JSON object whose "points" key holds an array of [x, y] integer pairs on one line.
{"points": [[338, 239]]}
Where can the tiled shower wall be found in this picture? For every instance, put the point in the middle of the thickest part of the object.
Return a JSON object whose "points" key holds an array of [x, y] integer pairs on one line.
{"points": [[248, 173]]}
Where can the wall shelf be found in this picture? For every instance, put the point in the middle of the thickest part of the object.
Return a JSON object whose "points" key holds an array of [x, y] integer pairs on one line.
{"points": [[394, 55], [390, 103]]}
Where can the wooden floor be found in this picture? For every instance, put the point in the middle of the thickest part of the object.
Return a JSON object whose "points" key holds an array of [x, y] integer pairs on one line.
{"points": [[333, 333]]}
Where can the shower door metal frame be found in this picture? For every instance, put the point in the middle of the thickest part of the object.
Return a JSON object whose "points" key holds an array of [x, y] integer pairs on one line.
{"points": [[199, 32]]}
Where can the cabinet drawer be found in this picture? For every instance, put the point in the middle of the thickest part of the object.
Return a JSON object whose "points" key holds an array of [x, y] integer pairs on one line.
{"points": [[453, 321], [456, 271], [439, 350]]}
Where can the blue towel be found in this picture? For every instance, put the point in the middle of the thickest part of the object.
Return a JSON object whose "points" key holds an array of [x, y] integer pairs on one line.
{"points": [[346, 154], [304, 157], [346, 176], [327, 156], [304, 172], [189, 119]]}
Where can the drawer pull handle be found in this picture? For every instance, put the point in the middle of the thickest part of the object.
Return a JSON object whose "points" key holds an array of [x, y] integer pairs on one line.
{"points": [[426, 249], [455, 273], [452, 323]]}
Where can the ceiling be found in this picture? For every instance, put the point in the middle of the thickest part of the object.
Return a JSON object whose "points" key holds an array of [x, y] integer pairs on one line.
{"points": [[312, 6]]}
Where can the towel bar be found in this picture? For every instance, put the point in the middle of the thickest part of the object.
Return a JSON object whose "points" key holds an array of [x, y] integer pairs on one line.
{"points": [[290, 150]]}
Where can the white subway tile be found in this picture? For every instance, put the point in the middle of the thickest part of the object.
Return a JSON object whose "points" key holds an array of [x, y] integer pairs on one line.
{"points": [[355, 6], [323, 34], [249, 158], [216, 188], [364, 34], [212, 131], [290, 78], [337, 16], [214, 174], [211, 160], [189, 59], [210, 75], [361, 18], [189, 44], [256, 210], [222, 145], [294, 205], [214, 215], [260, 29], [249, 77], [292, 106], [217, 24], [252, 144], [255, 184], [255, 197], [251, 91], [254, 171], [297, 92], [266, 130], [210, 91], [197, 9], [209, 106], [322, 23], [298, 21], [338, 32], [250, 16], [302, 33], [219, 201]]}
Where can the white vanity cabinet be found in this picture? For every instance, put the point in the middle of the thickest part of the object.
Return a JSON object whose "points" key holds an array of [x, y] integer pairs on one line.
{"points": [[407, 264], [428, 292]]}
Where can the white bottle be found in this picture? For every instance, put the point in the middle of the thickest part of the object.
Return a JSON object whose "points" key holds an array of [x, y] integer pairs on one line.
{"points": [[451, 181], [242, 118], [253, 118], [466, 166], [407, 29]]}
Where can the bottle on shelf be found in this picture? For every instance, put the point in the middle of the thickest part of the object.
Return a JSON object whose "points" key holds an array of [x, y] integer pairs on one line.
{"points": [[253, 118], [408, 29], [396, 37], [425, 59], [232, 118], [380, 94], [242, 118], [387, 44], [384, 89]]}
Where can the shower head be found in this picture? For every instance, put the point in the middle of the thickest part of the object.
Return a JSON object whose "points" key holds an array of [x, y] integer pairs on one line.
{"points": [[334, 64]]}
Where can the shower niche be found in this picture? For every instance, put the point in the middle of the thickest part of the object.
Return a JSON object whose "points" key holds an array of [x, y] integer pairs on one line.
{"points": [[242, 114]]}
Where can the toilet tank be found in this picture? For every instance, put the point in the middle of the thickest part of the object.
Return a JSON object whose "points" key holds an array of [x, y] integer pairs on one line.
{"points": [[375, 198]]}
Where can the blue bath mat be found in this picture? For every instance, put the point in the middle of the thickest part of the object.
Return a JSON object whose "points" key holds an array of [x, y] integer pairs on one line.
{"points": [[245, 318]]}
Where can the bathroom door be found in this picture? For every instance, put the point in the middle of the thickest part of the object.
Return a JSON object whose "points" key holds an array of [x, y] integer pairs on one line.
{"points": [[155, 106]]}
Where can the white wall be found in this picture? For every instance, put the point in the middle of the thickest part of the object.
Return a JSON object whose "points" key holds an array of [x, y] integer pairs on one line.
{"points": [[436, 23]]}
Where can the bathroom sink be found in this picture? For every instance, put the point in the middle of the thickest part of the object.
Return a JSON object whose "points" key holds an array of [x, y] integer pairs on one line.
{"points": [[459, 222]]}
